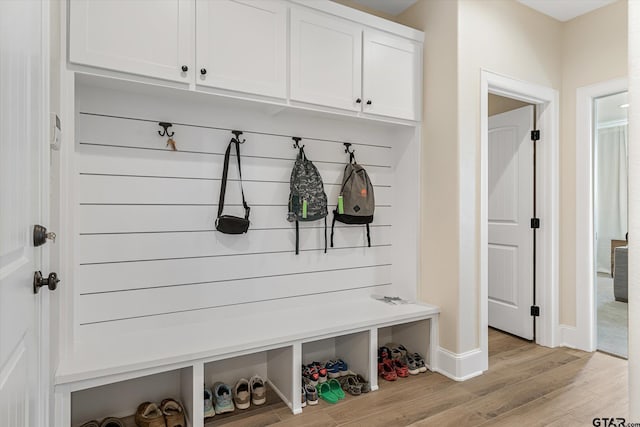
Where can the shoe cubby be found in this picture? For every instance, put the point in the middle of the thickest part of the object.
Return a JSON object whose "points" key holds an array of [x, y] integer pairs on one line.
{"points": [[354, 349], [273, 366], [121, 399], [415, 336]]}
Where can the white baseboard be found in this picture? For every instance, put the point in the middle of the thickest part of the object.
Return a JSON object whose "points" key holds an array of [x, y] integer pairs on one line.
{"points": [[572, 337], [462, 366]]}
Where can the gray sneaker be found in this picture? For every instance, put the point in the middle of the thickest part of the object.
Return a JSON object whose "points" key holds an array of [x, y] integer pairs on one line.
{"points": [[222, 399], [312, 394], [242, 394]]}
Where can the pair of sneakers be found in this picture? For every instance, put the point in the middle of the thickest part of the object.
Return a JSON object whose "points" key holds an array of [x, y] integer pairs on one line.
{"points": [[249, 391], [336, 368], [314, 373], [222, 399]]}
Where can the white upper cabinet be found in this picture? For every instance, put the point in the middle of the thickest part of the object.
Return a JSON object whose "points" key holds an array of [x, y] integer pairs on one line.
{"points": [[135, 36], [241, 45], [326, 60], [391, 76]]}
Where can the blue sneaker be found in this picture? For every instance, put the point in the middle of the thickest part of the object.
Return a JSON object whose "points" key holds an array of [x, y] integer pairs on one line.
{"points": [[343, 368], [333, 369], [208, 403], [222, 398]]}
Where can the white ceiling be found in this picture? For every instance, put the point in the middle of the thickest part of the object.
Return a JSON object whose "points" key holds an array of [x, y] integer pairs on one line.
{"points": [[564, 10], [391, 7]]}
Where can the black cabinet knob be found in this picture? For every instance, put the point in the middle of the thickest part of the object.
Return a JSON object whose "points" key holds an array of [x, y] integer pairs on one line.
{"points": [[185, 68], [369, 102], [358, 101], [203, 71]]}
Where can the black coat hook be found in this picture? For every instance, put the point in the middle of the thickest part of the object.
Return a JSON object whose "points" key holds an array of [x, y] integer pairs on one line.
{"points": [[165, 131], [237, 134], [296, 142], [349, 151]]}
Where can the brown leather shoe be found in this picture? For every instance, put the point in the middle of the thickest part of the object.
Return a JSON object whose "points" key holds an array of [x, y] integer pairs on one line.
{"points": [[173, 413], [148, 415]]}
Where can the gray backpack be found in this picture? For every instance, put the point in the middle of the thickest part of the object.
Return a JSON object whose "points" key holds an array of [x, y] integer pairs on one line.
{"points": [[356, 202], [307, 199]]}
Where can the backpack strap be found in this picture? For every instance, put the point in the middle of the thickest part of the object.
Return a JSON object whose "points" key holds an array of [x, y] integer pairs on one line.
{"points": [[325, 235], [297, 237], [368, 236], [225, 172], [333, 224]]}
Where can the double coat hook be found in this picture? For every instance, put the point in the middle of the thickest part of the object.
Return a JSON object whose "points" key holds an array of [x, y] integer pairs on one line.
{"points": [[165, 132], [236, 138]]}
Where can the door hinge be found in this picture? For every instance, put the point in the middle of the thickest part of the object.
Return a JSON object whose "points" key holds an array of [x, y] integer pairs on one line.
{"points": [[535, 222], [535, 135], [535, 311]]}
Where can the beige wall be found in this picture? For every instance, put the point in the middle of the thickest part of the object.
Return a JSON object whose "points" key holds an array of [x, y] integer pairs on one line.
{"points": [[439, 263], [499, 104], [461, 38], [594, 49]]}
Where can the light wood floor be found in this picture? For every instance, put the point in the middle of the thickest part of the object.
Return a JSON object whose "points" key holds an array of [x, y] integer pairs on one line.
{"points": [[526, 385]]}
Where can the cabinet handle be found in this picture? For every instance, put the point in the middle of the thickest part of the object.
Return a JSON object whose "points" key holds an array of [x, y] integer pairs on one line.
{"points": [[185, 68], [358, 101], [203, 71], [369, 102]]}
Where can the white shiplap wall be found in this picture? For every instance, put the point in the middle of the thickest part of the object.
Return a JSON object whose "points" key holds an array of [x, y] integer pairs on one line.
{"points": [[146, 251]]}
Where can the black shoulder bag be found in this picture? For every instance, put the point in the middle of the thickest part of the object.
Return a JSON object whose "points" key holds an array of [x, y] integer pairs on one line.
{"points": [[230, 224]]}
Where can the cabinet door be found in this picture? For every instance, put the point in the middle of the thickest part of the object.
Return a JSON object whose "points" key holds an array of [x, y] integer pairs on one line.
{"points": [[392, 75], [135, 36], [326, 60], [242, 45]]}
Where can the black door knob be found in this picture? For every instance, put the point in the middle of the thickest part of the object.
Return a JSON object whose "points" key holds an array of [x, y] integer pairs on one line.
{"points": [[358, 101], [203, 71], [50, 282], [185, 68], [369, 102]]}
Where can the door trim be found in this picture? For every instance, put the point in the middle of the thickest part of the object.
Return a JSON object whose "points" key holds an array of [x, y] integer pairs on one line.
{"points": [[546, 99], [584, 335]]}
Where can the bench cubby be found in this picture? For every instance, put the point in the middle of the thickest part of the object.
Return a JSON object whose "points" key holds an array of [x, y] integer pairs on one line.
{"points": [[121, 399]]}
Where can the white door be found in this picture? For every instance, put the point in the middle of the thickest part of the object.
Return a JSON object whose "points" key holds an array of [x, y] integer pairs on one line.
{"points": [[391, 76], [510, 252], [23, 168], [149, 38], [241, 45], [326, 60]]}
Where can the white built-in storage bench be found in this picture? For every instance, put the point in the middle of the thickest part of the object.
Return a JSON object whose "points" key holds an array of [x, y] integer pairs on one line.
{"points": [[157, 303]]}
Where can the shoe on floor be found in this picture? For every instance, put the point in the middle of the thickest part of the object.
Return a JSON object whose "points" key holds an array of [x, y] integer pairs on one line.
{"points": [[343, 368], [208, 404], [420, 362], [311, 394], [258, 390], [242, 394], [149, 415], [311, 374], [333, 368], [412, 365], [386, 370], [303, 398], [222, 399], [322, 371], [173, 413], [112, 422]]}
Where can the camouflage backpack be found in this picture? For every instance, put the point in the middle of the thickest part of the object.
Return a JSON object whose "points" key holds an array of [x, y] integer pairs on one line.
{"points": [[307, 199]]}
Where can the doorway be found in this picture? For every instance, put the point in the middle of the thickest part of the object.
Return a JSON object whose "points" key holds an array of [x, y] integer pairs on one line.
{"points": [[547, 186], [610, 173], [511, 206]]}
